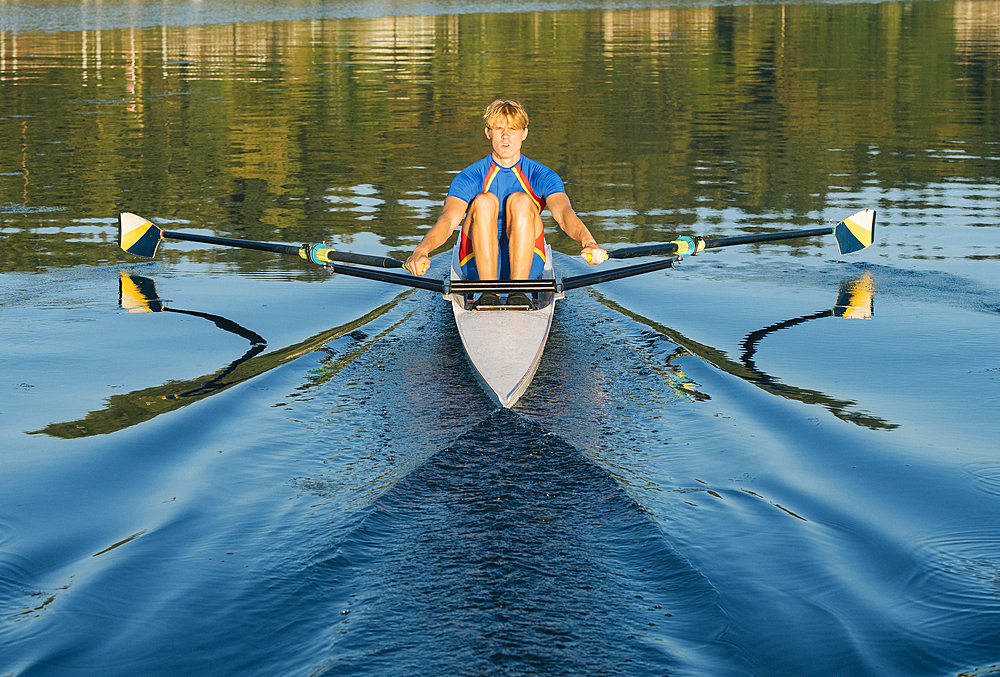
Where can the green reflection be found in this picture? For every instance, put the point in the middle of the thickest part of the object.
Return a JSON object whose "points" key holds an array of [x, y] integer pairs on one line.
{"points": [[657, 118]]}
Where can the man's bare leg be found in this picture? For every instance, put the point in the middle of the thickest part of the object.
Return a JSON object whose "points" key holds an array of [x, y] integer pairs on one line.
{"points": [[524, 225], [481, 226]]}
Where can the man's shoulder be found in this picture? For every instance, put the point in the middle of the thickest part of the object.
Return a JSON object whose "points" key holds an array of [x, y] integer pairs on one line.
{"points": [[479, 166], [537, 172], [527, 162], [469, 181], [529, 166]]}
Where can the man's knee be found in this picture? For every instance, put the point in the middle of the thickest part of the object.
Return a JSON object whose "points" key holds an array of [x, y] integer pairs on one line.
{"points": [[521, 203], [522, 214], [485, 203]]}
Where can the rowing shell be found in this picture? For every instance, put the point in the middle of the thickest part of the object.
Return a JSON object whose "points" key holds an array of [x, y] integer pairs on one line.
{"points": [[504, 347]]}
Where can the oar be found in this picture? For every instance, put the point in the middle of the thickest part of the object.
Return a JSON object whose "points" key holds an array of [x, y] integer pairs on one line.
{"points": [[853, 234], [139, 236]]}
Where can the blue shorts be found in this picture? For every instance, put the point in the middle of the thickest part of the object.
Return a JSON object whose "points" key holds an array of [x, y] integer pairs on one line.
{"points": [[470, 272]]}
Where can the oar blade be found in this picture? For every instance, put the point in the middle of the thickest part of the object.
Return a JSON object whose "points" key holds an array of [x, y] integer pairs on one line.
{"points": [[856, 232], [138, 236]]}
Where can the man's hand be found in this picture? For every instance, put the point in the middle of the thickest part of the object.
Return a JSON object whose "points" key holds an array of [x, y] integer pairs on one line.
{"points": [[594, 254], [418, 263]]}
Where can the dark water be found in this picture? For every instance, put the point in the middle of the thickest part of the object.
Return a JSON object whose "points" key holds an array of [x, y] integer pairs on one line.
{"points": [[717, 471]]}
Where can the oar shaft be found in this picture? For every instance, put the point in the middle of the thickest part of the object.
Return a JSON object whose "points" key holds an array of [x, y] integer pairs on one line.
{"points": [[712, 243], [405, 280], [233, 242], [616, 273], [317, 253]]}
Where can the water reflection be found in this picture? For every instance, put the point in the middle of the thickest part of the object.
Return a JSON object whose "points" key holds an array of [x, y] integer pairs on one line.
{"points": [[854, 300], [657, 118], [137, 294], [129, 409]]}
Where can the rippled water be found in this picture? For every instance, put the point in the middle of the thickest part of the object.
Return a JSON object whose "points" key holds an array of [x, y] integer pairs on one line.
{"points": [[772, 460]]}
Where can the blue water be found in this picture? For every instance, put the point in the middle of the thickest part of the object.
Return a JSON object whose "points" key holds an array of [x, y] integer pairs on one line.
{"points": [[363, 510], [285, 472]]}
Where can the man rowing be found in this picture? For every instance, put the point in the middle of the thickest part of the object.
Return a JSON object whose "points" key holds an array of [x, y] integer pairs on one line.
{"points": [[501, 199]]}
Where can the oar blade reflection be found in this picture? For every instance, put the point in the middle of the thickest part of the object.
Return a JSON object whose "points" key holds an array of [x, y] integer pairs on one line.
{"points": [[856, 298]]}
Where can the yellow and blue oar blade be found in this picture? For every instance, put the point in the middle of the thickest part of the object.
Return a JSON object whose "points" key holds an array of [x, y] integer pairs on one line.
{"points": [[855, 232], [138, 236]]}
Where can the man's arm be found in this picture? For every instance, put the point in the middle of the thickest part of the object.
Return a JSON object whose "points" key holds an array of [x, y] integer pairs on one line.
{"points": [[451, 217], [562, 211]]}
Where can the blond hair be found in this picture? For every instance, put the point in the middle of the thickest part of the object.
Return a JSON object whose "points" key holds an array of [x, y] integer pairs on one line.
{"points": [[509, 114]]}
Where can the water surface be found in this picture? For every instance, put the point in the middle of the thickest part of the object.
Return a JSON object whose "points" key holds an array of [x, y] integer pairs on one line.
{"points": [[772, 460]]}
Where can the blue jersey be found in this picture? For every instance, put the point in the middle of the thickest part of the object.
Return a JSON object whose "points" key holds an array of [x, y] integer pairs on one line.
{"points": [[527, 176]]}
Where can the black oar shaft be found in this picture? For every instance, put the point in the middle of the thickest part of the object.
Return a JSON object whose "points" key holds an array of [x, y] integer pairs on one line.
{"points": [[691, 246], [616, 274], [233, 242], [405, 280], [317, 253], [711, 243]]}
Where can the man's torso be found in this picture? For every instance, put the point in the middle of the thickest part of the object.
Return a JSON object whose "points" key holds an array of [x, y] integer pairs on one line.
{"points": [[527, 176]]}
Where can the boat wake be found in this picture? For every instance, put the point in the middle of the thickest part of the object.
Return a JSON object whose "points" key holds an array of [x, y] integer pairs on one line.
{"points": [[475, 540], [510, 553]]}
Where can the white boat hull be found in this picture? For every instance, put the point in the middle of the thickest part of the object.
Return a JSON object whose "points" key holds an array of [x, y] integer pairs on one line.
{"points": [[504, 347]]}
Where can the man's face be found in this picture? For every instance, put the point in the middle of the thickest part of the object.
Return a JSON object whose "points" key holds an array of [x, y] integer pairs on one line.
{"points": [[506, 141]]}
